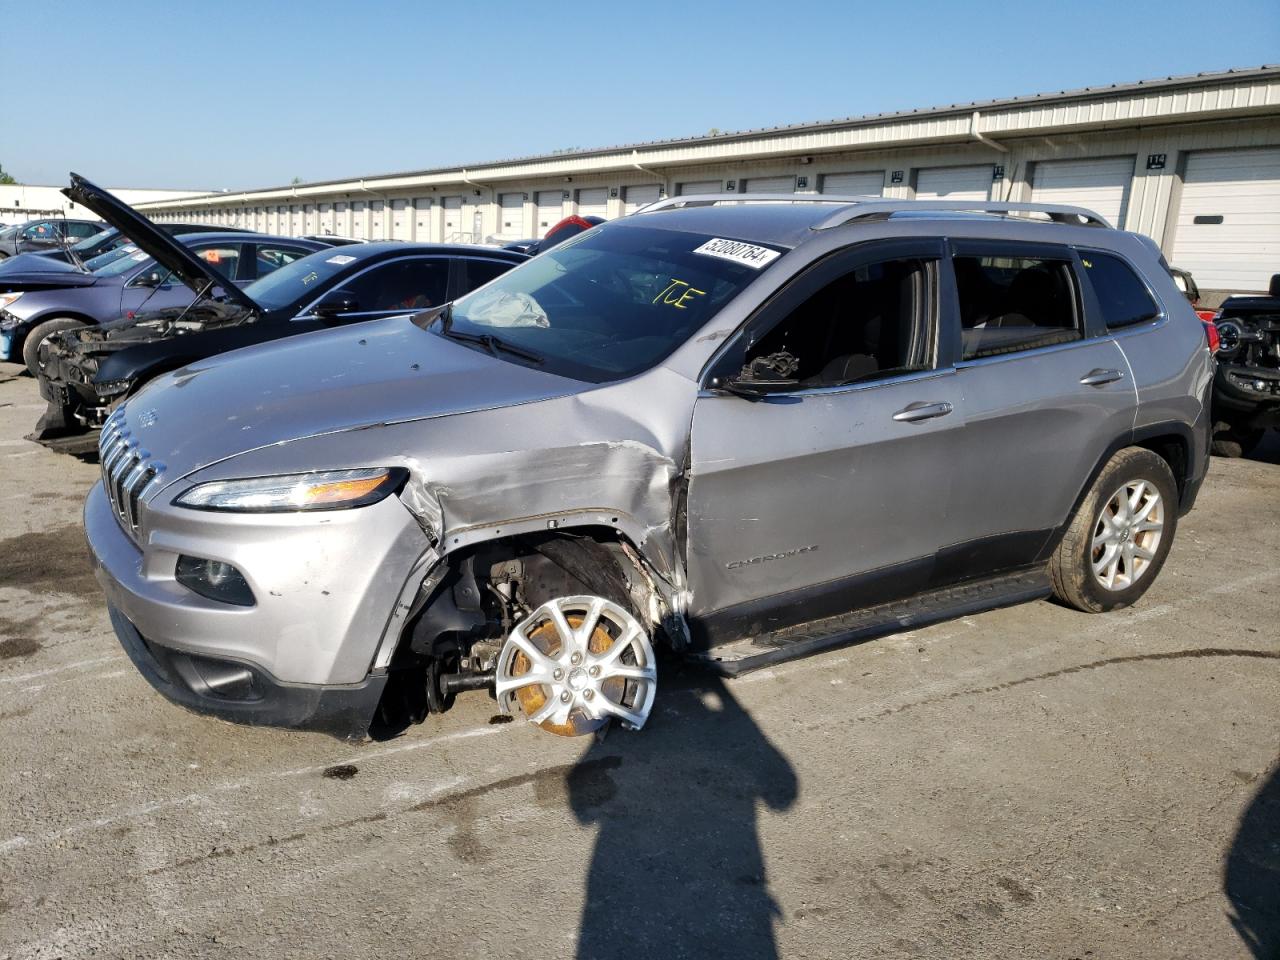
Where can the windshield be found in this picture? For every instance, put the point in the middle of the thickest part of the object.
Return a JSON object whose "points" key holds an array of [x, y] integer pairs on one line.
{"points": [[117, 261], [90, 242], [610, 303], [290, 283]]}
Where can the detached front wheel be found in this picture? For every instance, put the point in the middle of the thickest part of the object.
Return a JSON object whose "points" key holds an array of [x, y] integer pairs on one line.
{"points": [[1120, 536], [576, 663]]}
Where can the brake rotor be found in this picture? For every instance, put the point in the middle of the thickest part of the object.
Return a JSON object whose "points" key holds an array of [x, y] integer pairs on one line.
{"points": [[574, 664]]}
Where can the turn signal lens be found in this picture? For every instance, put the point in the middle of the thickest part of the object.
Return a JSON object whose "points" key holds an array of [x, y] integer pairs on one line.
{"points": [[324, 490]]}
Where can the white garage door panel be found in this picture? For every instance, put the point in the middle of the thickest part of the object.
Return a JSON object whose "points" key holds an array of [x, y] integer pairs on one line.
{"points": [[854, 184], [550, 210], [770, 185], [401, 220], [700, 186], [452, 218], [637, 197], [422, 219], [511, 216], [1101, 185], [1243, 188], [593, 202], [954, 183], [377, 216]]}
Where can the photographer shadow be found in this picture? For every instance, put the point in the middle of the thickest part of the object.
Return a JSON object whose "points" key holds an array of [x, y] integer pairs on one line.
{"points": [[1252, 876], [678, 869]]}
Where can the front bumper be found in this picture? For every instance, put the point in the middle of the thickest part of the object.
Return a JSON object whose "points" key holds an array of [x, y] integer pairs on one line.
{"points": [[327, 589], [1250, 408]]}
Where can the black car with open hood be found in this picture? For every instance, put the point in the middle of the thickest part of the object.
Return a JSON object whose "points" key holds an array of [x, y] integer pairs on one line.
{"points": [[1246, 386], [85, 373]]}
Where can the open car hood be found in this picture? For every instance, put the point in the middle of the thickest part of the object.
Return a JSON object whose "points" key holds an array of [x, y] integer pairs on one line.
{"points": [[168, 252]]}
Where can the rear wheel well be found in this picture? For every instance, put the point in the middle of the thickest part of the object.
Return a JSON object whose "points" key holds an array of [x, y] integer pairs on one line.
{"points": [[1171, 448]]}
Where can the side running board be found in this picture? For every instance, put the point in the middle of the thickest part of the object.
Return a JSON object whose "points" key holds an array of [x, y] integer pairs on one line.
{"points": [[743, 656]]}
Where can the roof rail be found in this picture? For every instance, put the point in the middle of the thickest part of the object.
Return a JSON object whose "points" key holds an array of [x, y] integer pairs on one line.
{"points": [[711, 199], [864, 208], [882, 209]]}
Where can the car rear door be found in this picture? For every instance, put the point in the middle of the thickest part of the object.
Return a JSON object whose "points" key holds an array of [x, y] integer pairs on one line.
{"points": [[1046, 395], [825, 497]]}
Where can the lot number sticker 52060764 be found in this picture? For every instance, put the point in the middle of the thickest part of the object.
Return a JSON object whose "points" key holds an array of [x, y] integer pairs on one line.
{"points": [[739, 252]]}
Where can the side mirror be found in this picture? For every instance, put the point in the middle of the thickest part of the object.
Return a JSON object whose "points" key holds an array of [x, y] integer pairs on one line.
{"points": [[335, 303], [752, 388], [152, 278]]}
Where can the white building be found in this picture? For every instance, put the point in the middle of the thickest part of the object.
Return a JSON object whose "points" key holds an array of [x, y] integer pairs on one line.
{"points": [[1192, 161], [22, 202]]}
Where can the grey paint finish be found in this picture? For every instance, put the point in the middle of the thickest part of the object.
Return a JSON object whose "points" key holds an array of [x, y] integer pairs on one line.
{"points": [[496, 448]]}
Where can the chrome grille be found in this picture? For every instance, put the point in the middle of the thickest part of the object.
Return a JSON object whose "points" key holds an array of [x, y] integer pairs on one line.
{"points": [[127, 470]]}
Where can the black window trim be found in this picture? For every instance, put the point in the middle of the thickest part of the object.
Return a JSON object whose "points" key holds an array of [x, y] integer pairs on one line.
{"points": [[1085, 309], [798, 288]]}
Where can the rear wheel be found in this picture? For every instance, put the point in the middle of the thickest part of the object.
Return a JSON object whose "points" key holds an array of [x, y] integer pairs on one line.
{"points": [[575, 663], [1120, 536], [1232, 441], [37, 335]]}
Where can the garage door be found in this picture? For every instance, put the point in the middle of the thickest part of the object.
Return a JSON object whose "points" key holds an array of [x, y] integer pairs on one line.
{"points": [[309, 218], [401, 220], [377, 216], [854, 184], [954, 183], [511, 216], [295, 220], [633, 198], [360, 220], [341, 220], [769, 185], [700, 186], [593, 202], [452, 218], [550, 210], [422, 219], [1101, 185], [1228, 227]]}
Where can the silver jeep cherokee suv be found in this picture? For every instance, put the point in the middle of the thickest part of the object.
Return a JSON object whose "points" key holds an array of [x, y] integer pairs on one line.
{"points": [[743, 431]]}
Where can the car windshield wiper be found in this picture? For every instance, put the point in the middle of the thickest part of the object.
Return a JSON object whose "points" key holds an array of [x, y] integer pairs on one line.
{"points": [[491, 343]]}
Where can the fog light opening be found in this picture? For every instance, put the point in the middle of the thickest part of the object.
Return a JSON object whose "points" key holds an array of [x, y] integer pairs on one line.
{"points": [[214, 580]]}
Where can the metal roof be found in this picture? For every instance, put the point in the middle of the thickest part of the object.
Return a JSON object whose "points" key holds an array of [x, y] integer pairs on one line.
{"points": [[958, 113]]}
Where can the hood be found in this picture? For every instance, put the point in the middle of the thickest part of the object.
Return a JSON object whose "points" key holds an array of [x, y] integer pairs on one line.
{"points": [[44, 280], [168, 252], [367, 374], [52, 261]]}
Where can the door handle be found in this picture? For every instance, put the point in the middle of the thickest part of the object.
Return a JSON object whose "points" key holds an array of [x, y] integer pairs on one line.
{"points": [[1097, 377], [922, 410]]}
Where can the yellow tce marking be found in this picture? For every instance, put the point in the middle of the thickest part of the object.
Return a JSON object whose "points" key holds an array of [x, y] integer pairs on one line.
{"points": [[678, 294]]}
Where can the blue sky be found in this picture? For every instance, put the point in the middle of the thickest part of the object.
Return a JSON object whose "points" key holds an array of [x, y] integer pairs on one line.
{"points": [[237, 94]]}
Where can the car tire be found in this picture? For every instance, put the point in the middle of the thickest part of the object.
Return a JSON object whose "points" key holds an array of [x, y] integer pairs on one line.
{"points": [[1231, 441], [1124, 547], [36, 336]]}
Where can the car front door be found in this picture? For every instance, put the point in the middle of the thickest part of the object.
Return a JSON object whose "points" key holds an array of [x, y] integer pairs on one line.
{"points": [[156, 288], [1046, 395], [835, 492], [399, 286]]}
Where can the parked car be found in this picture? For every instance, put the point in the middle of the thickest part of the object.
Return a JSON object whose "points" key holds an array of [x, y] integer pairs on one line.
{"points": [[1246, 386], [39, 304], [67, 259], [744, 432], [46, 235], [85, 373], [570, 226]]}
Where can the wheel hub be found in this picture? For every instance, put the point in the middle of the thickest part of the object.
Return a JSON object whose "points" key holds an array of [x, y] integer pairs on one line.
{"points": [[574, 664], [1127, 535]]}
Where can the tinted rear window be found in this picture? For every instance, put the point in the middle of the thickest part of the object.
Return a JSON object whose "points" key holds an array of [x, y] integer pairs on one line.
{"points": [[1123, 297]]}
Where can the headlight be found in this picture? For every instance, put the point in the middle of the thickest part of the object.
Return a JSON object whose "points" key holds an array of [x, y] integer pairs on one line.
{"points": [[324, 490], [111, 388], [7, 299]]}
